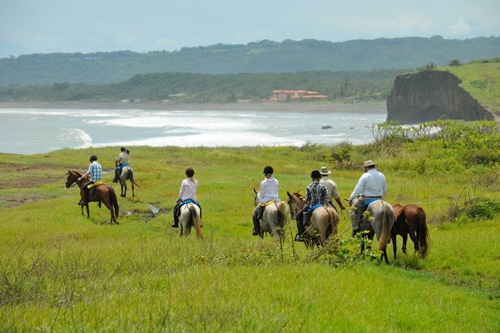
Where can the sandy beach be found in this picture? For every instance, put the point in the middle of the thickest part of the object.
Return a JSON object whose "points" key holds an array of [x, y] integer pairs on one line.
{"points": [[240, 106]]}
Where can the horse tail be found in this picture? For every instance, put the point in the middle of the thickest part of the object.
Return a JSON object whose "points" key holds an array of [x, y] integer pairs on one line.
{"points": [[131, 177], [282, 214], [114, 201], [423, 233], [386, 226], [333, 221], [196, 220]]}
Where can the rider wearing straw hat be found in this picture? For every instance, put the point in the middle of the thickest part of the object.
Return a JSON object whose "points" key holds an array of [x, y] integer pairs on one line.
{"points": [[371, 185], [331, 186]]}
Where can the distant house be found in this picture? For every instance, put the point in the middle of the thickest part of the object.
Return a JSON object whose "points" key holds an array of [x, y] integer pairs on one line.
{"points": [[283, 95]]}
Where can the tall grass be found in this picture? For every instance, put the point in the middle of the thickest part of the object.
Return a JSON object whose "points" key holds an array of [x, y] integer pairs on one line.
{"points": [[60, 271]]}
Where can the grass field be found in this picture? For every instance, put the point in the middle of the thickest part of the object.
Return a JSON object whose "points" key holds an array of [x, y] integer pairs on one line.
{"points": [[61, 271]]}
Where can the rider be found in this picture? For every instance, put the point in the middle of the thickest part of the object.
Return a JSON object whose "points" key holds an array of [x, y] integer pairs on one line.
{"points": [[121, 161], [269, 188], [331, 186], [316, 195], [187, 194], [371, 185], [95, 172]]}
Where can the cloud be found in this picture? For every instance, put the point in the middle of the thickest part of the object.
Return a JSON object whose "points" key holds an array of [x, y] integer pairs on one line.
{"points": [[459, 28], [34, 26]]}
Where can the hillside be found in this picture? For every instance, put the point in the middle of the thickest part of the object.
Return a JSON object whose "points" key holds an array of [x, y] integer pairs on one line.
{"points": [[258, 57], [467, 92]]}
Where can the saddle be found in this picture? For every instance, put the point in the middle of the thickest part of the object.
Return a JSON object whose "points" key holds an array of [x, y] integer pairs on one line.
{"points": [[363, 209], [91, 187], [177, 208], [263, 208]]}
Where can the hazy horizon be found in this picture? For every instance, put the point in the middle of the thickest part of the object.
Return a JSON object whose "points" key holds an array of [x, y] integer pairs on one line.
{"points": [[72, 26]]}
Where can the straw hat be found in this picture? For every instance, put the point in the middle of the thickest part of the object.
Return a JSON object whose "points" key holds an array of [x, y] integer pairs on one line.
{"points": [[324, 171], [369, 163]]}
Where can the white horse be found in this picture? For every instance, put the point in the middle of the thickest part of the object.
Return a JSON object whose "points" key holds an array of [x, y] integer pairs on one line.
{"points": [[127, 173], [274, 219], [190, 217], [378, 221]]}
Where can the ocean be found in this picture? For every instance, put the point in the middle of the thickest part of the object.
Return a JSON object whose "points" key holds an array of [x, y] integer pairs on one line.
{"points": [[38, 131]]}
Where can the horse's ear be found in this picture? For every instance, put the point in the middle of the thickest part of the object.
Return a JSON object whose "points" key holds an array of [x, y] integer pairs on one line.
{"points": [[289, 195]]}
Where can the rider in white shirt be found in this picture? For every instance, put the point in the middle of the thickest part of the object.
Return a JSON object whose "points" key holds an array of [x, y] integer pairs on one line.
{"points": [[371, 185]]}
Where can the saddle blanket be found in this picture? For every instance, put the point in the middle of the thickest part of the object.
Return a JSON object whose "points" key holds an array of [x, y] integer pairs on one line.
{"points": [[311, 209], [270, 202], [182, 203], [97, 183]]}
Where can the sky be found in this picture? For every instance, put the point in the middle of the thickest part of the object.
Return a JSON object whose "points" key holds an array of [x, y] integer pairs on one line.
{"points": [[86, 26]]}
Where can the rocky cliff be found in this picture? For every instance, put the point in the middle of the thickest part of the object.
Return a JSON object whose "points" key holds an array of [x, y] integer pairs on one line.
{"points": [[432, 95]]}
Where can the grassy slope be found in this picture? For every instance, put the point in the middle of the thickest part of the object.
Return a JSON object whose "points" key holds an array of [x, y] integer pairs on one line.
{"points": [[63, 272], [482, 81]]}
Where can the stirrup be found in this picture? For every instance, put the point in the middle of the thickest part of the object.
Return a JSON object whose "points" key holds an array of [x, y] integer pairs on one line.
{"points": [[298, 238]]}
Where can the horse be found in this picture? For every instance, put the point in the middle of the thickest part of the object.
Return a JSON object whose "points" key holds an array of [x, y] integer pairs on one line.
{"points": [[274, 219], [190, 217], [103, 193], [410, 220], [379, 221], [324, 221], [127, 173]]}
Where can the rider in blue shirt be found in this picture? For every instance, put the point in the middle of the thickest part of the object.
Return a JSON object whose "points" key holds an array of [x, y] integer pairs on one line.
{"points": [[316, 194], [95, 172]]}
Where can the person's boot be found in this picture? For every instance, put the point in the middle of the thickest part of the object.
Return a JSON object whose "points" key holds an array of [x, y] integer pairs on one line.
{"points": [[175, 224], [256, 225], [305, 219], [300, 231], [115, 180]]}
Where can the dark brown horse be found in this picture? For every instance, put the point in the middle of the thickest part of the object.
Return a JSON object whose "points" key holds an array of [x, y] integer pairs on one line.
{"points": [[410, 220], [103, 193], [127, 173]]}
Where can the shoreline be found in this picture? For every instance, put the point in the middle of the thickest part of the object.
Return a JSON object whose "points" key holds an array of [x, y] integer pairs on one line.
{"points": [[302, 107]]}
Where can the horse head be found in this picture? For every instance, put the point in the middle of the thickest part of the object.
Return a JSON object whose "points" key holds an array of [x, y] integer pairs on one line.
{"points": [[257, 199], [72, 178], [296, 202]]}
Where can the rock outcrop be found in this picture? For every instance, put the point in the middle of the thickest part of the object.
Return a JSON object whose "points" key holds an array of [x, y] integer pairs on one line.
{"points": [[432, 95]]}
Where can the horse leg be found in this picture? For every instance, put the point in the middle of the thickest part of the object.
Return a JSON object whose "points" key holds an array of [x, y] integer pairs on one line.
{"points": [[405, 240], [384, 256], [394, 246], [123, 187], [413, 237]]}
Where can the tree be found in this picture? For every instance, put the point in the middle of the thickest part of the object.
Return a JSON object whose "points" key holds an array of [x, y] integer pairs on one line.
{"points": [[454, 63]]}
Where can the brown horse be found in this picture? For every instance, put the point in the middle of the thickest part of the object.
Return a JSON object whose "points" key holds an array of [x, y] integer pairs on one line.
{"points": [[127, 174], [410, 220], [103, 193], [324, 221]]}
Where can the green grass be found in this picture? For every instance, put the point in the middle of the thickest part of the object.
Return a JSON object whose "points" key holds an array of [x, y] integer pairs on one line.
{"points": [[60, 271], [482, 81]]}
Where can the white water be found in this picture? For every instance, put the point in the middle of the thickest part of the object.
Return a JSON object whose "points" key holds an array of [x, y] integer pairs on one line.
{"points": [[33, 131]]}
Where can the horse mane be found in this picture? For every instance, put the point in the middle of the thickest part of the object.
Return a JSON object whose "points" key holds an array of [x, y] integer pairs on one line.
{"points": [[76, 173]]}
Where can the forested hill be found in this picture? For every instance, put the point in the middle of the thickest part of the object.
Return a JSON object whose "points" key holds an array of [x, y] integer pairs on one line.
{"points": [[257, 57]]}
